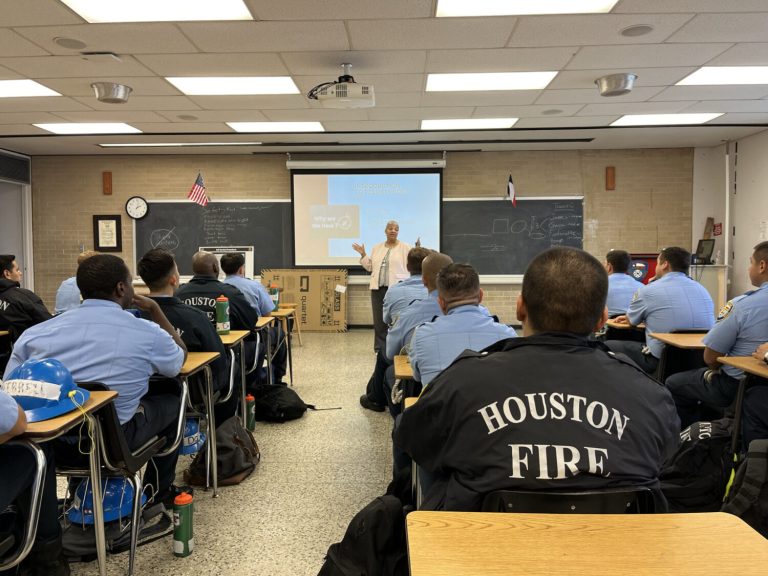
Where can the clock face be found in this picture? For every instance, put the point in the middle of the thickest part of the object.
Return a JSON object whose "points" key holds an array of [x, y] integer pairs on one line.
{"points": [[136, 207]]}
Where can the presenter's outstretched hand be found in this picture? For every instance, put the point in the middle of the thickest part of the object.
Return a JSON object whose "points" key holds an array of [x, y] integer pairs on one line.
{"points": [[359, 248]]}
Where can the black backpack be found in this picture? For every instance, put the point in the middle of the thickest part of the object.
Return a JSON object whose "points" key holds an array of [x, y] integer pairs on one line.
{"points": [[748, 497], [373, 545], [694, 479], [278, 403]]}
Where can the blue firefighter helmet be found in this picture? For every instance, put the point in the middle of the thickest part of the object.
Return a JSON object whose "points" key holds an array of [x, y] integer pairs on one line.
{"points": [[117, 498]]}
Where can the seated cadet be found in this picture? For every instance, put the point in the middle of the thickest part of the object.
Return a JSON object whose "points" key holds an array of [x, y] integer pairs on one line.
{"points": [[233, 265], [742, 326], [100, 342], [550, 411], [755, 408], [621, 286], [203, 289], [158, 270], [19, 308], [465, 326], [672, 302], [68, 294], [406, 291], [377, 393], [16, 477]]}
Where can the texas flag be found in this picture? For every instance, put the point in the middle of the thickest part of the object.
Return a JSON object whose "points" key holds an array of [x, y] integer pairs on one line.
{"points": [[511, 191]]}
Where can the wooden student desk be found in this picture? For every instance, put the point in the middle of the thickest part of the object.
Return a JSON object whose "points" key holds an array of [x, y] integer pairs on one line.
{"points": [[403, 370], [500, 544], [621, 326], [55, 427], [681, 340], [680, 353], [282, 314], [262, 327], [754, 370], [196, 362], [235, 338], [296, 324]]}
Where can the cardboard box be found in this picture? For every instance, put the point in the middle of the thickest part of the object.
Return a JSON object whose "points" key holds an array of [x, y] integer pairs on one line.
{"points": [[321, 296]]}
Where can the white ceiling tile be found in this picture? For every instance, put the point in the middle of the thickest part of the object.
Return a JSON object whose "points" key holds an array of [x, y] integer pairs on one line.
{"points": [[398, 100], [363, 62], [116, 115], [144, 38], [210, 116], [266, 36], [430, 33], [748, 54], [36, 13], [45, 104], [691, 6], [644, 56], [275, 102], [142, 85], [737, 118], [712, 93], [523, 111], [420, 113], [371, 125], [230, 64], [73, 67], [498, 59], [620, 109], [723, 28], [382, 83], [593, 29], [494, 98], [167, 127], [730, 106], [568, 79], [568, 121], [144, 103], [11, 44], [314, 114], [591, 95], [31, 117], [339, 9]]}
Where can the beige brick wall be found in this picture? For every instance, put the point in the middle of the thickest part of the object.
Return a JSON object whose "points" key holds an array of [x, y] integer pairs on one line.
{"points": [[650, 208]]}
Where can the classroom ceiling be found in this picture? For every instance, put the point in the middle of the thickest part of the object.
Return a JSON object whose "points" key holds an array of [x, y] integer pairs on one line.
{"points": [[392, 44]]}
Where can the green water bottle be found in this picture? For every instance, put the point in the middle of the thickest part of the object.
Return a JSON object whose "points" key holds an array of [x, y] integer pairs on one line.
{"points": [[274, 292], [183, 538], [222, 315], [250, 412]]}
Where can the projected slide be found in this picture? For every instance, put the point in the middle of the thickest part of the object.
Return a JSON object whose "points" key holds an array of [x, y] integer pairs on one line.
{"points": [[332, 211]]}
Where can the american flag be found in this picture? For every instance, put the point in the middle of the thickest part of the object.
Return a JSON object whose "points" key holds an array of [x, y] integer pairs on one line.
{"points": [[511, 191], [197, 194]]}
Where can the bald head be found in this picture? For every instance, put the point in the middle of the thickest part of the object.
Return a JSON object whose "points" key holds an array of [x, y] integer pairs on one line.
{"points": [[205, 264], [431, 265]]}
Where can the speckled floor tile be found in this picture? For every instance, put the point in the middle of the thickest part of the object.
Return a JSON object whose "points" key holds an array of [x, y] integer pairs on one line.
{"points": [[315, 474]]}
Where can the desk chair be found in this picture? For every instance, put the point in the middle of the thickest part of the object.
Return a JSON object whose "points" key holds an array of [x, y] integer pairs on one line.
{"points": [[118, 460], [674, 360], [618, 501], [8, 541]]}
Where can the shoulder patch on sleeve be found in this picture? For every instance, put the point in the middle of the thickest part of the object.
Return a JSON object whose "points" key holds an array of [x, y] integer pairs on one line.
{"points": [[725, 310]]}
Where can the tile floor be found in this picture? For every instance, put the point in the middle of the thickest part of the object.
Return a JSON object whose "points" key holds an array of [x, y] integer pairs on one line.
{"points": [[315, 474]]}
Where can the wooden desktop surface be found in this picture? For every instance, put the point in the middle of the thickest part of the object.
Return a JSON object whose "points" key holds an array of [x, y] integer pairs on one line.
{"points": [[687, 341], [403, 369], [500, 544], [288, 305], [233, 337], [410, 401], [55, 426], [195, 361], [264, 321], [746, 363], [622, 326], [282, 312]]}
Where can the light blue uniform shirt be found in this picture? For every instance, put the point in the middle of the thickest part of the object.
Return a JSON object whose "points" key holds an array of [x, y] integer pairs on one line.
{"points": [[67, 296], [621, 288], [743, 328], [400, 333], [399, 296], [254, 292], [673, 302], [9, 412], [436, 344], [101, 342]]}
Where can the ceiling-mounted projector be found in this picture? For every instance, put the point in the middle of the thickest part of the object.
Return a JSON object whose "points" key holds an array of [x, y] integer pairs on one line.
{"points": [[344, 92]]}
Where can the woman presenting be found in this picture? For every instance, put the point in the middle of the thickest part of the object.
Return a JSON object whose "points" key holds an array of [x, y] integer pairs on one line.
{"points": [[386, 263]]}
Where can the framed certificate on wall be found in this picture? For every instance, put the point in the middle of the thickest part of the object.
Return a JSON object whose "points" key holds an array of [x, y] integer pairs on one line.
{"points": [[107, 234]]}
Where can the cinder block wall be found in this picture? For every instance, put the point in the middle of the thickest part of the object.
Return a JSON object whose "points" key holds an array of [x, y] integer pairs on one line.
{"points": [[650, 208]]}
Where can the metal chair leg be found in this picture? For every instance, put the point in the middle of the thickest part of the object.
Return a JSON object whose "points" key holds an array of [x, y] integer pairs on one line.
{"points": [[135, 519]]}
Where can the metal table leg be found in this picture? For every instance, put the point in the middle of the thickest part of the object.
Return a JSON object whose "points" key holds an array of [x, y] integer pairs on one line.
{"points": [[288, 344], [98, 507], [243, 403], [211, 429]]}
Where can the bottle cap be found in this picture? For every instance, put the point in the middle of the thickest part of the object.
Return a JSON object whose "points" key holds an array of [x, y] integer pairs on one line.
{"points": [[222, 298], [182, 499], [249, 397]]}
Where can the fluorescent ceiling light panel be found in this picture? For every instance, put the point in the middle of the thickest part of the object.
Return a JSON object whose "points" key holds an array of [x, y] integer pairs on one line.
{"points": [[474, 82], [90, 128], [468, 124], [24, 89], [177, 144], [234, 85], [159, 10], [726, 75], [276, 126], [521, 7], [664, 119]]}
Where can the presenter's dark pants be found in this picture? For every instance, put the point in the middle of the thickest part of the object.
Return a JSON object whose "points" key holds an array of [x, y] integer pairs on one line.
{"points": [[695, 390], [379, 326], [634, 351]]}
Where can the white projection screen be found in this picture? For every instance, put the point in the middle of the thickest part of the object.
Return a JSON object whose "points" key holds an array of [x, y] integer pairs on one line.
{"points": [[332, 209]]}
